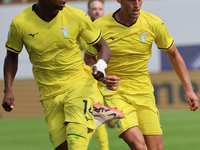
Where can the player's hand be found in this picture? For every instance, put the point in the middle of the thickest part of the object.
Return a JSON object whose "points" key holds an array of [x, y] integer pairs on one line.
{"points": [[8, 101], [98, 75], [192, 100], [111, 82]]}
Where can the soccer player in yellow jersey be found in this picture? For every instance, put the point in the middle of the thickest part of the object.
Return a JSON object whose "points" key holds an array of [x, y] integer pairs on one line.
{"points": [[49, 30], [129, 32]]}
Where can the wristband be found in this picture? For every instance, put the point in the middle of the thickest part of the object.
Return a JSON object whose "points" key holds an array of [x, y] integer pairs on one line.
{"points": [[101, 66]]}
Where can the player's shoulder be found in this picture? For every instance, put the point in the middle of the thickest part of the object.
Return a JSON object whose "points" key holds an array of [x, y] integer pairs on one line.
{"points": [[150, 18], [105, 19], [23, 15], [73, 11]]}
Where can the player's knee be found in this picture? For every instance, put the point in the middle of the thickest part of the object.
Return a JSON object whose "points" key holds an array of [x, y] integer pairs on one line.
{"points": [[141, 147], [137, 146], [135, 143]]}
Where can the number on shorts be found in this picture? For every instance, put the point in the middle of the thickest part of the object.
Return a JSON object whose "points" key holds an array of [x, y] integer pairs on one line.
{"points": [[85, 109]]}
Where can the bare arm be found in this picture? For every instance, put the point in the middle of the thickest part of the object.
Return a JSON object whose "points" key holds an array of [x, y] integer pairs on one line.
{"points": [[10, 69], [181, 70], [89, 60], [103, 53], [103, 50]]}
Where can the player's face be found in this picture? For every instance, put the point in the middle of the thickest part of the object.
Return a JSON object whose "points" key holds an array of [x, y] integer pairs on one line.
{"points": [[96, 10], [56, 4], [131, 7]]}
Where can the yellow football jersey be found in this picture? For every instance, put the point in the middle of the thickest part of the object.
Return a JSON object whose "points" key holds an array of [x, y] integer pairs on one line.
{"points": [[131, 49], [83, 45], [53, 48]]}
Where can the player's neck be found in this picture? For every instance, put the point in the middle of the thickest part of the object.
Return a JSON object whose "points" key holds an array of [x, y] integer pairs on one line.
{"points": [[45, 13], [124, 19]]}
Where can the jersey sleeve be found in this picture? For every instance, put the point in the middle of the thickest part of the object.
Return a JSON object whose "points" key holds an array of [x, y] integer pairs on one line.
{"points": [[14, 42], [163, 39], [89, 31], [91, 50]]}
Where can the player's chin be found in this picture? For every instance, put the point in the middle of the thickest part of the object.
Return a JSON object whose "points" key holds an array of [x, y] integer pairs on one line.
{"points": [[96, 17], [60, 8]]}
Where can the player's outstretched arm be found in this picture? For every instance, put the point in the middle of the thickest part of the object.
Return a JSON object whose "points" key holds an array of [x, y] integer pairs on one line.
{"points": [[110, 81], [181, 70], [103, 58], [10, 69]]}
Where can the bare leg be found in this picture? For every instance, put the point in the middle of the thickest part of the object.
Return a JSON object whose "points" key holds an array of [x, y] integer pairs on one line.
{"points": [[134, 138], [154, 142]]}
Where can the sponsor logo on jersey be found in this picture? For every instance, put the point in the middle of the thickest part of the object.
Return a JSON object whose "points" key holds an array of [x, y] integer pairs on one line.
{"points": [[88, 119], [142, 36], [33, 35], [64, 30], [113, 38]]}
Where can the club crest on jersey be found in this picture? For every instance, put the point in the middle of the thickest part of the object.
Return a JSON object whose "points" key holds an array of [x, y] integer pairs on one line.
{"points": [[64, 30], [142, 36]]}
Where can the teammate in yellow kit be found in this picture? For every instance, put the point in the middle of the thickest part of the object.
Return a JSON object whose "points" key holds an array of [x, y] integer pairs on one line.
{"points": [[49, 30], [129, 33]]}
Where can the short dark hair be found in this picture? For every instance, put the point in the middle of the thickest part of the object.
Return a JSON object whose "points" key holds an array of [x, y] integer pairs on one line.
{"points": [[90, 1]]}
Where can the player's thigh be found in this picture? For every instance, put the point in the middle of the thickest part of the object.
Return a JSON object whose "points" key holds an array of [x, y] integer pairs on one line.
{"points": [[55, 118], [130, 115], [133, 135], [148, 115], [79, 105]]}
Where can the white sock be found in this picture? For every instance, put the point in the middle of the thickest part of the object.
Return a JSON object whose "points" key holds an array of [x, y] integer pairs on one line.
{"points": [[99, 122]]}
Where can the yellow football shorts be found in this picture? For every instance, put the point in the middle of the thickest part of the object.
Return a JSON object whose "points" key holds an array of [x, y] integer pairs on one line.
{"points": [[97, 95], [139, 110], [73, 106]]}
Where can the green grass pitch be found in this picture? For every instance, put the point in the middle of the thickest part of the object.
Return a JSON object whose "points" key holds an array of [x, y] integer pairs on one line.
{"points": [[181, 131]]}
